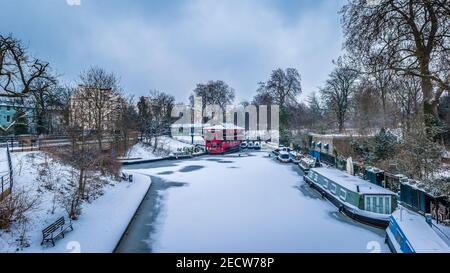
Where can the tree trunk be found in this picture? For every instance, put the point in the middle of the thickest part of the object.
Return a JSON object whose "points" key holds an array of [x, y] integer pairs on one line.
{"points": [[430, 104], [80, 183], [341, 126], [99, 140]]}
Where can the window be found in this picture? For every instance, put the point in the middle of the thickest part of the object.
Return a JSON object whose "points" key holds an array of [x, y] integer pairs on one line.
{"points": [[378, 203], [343, 194], [8, 118], [325, 183], [8, 108], [387, 204], [333, 188]]}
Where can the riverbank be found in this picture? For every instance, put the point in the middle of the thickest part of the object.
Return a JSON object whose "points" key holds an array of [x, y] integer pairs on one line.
{"points": [[102, 222]]}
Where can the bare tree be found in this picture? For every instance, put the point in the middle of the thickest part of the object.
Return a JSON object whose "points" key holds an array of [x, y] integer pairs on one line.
{"points": [[407, 97], [410, 37], [18, 70], [338, 91], [282, 89], [366, 107], [315, 112], [144, 115], [126, 124], [96, 103], [283, 86], [45, 100], [419, 157], [213, 93], [160, 105]]}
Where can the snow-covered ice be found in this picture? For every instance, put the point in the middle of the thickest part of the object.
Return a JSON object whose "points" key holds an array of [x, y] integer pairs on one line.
{"points": [[248, 204]]}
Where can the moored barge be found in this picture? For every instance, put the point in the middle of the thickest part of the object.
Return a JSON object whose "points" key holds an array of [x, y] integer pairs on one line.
{"points": [[357, 198]]}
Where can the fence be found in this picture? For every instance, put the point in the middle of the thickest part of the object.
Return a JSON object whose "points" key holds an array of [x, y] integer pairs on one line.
{"points": [[6, 181], [5, 186], [36, 144]]}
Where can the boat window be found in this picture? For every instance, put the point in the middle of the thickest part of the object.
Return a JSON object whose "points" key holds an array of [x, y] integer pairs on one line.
{"points": [[378, 203], [325, 183], [333, 188], [375, 204], [343, 194], [381, 205], [316, 177], [387, 204]]}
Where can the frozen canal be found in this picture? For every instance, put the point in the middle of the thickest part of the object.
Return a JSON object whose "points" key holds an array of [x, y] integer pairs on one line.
{"points": [[240, 204]]}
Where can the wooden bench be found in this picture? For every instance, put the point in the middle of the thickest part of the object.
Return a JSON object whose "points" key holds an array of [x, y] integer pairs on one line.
{"points": [[50, 233], [126, 177]]}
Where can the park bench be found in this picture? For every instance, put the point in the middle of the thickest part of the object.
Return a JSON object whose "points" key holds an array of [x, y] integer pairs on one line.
{"points": [[126, 177], [53, 231]]}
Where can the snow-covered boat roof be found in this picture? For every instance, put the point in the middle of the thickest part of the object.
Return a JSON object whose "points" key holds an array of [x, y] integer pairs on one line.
{"points": [[420, 186], [308, 160], [351, 182], [374, 169], [422, 237], [224, 126]]}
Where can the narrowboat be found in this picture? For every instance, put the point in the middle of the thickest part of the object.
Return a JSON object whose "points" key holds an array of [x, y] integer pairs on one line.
{"points": [[281, 148], [357, 198], [295, 157], [307, 163], [284, 157], [243, 145], [257, 145], [409, 232], [218, 142]]}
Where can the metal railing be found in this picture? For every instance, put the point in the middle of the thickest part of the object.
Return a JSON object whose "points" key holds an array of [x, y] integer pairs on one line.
{"points": [[6, 181]]}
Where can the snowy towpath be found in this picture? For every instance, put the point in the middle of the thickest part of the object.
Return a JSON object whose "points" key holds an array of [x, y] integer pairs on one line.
{"points": [[240, 204]]}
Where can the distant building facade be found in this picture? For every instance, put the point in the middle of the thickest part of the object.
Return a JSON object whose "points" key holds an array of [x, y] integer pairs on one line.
{"points": [[90, 107], [8, 110]]}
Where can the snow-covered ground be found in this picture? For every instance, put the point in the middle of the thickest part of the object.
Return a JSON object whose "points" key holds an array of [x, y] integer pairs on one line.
{"points": [[198, 140], [245, 204], [141, 151], [4, 169], [166, 146], [101, 224]]}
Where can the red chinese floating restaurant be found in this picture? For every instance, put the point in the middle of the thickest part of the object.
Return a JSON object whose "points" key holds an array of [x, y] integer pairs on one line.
{"points": [[223, 138]]}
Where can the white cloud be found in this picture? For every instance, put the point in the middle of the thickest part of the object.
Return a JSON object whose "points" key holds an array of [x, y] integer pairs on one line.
{"points": [[73, 2], [236, 41]]}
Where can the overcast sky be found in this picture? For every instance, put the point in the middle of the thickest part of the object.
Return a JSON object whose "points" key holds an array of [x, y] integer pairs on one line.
{"points": [[173, 45]]}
